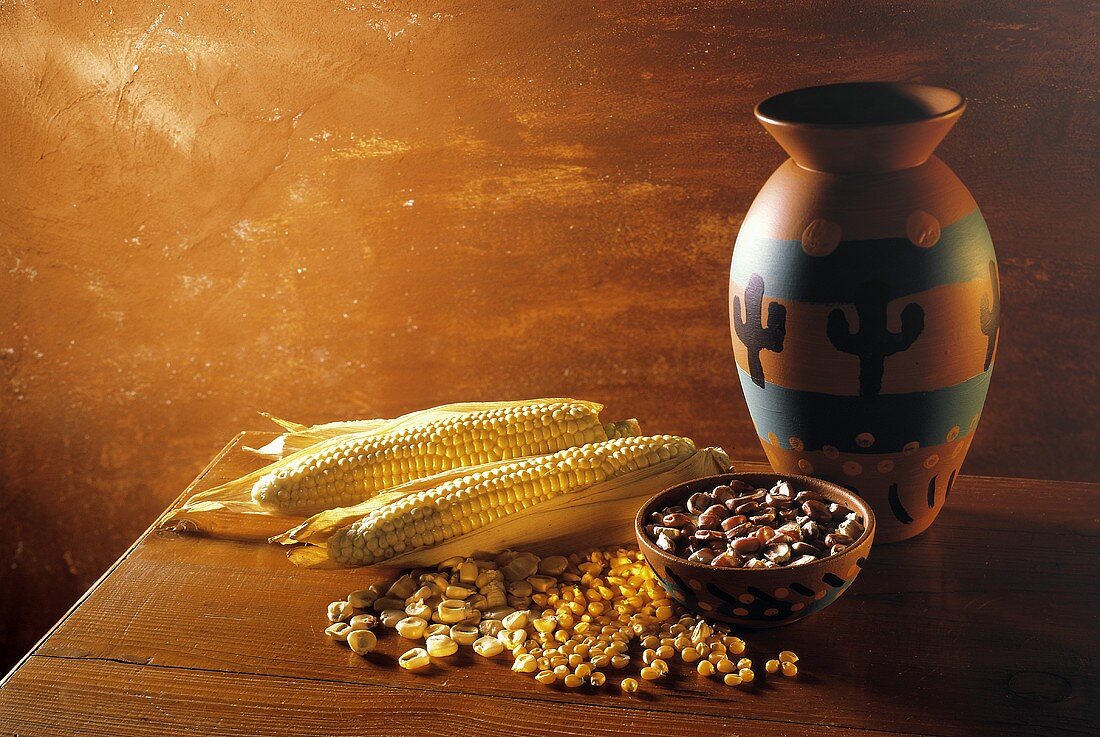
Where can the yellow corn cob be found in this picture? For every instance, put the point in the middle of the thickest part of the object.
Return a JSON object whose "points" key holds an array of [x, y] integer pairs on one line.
{"points": [[429, 517], [349, 469]]}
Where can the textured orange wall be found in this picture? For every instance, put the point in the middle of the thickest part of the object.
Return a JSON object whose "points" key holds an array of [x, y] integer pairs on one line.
{"points": [[348, 208]]}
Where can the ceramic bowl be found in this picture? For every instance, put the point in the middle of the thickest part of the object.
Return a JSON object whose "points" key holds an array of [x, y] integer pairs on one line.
{"points": [[762, 597]]}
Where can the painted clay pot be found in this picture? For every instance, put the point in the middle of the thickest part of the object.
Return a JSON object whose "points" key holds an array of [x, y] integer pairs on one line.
{"points": [[865, 299], [764, 597]]}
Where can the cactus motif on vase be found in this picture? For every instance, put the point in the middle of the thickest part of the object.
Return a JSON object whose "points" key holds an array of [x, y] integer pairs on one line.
{"points": [[991, 314], [871, 298], [873, 342], [752, 333]]}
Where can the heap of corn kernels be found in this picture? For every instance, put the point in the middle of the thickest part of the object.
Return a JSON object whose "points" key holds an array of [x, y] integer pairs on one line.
{"points": [[566, 620]]}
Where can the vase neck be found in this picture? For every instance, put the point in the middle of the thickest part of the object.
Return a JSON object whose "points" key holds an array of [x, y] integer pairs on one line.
{"points": [[861, 127]]}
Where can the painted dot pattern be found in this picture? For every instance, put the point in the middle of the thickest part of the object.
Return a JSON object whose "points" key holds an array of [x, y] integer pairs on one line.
{"points": [[865, 440], [923, 229], [820, 238], [885, 466], [910, 448], [796, 444], [805, 466], [953, 433], [851, 468], [830, 452]]}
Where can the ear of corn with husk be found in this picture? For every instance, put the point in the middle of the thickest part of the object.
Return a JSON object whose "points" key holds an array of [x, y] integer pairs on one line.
{"points": [[300, 437], [582, 496], [345, 463]]}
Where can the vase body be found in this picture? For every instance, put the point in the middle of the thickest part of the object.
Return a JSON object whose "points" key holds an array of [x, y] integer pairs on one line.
{"points": [[864, 309]]}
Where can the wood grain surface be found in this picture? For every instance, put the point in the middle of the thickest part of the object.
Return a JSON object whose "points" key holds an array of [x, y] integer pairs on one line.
{"points": [[339, 209], [978, 627]]}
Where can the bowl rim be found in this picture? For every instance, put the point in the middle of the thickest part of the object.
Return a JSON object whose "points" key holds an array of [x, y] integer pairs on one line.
{"points": [[855, 548]]}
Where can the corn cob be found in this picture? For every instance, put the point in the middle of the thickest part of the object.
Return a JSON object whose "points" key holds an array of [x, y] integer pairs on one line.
{"points": [[349, 469], [429, 517], [300, 437]]}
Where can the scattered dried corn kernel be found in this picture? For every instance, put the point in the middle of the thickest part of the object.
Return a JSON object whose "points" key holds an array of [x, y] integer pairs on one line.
{"points": [[464, 634], [441, 646], [746, 675], [649, 673], [546, 677], [411, 628], [414, 659], [488, 647], [362, 642], [771, 666], [628, 685], [788, 657], [732, 679], [705, 668], [573, 681], [338, 631], [525, 664], [789, 669]]}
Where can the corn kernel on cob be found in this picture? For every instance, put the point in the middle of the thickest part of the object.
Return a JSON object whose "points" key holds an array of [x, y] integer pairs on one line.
{"points": [[428, 517], [351, 468]]}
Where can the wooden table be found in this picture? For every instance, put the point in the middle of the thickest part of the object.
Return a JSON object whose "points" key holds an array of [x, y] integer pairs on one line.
{"points": [[985, 625]]}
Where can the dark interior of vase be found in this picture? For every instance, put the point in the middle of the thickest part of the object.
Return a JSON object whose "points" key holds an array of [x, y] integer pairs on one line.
{"points": [[860, 103]]}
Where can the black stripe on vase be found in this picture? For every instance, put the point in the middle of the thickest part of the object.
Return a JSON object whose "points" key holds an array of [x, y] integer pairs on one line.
{"points": [[897, 508], [932, 492], [801, 589], [833, 580], [950, 484]]}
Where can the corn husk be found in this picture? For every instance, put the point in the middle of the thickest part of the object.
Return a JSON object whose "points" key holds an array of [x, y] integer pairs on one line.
{"points": [[300, 437], [227, 511], [599, 515]]}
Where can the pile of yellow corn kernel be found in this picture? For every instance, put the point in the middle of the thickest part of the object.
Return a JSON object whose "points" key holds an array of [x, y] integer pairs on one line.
{"points": [[567, 620]]}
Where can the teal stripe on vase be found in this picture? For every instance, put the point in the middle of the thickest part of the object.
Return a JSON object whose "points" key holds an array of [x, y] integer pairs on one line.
{"points": [[894, 420], [962, 253]]}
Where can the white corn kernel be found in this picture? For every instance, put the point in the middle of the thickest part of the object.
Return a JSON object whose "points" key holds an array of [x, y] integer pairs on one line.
{"points": [[411, 628], [525, 664], [338, 631], [363, 598], [488, 647], [441, 646], [516, 620], [512, 639], [458, 592], [362, 642], [464, 634], [414, 659], [452, 611], [419, 609], [390, 617], [339, 611]]}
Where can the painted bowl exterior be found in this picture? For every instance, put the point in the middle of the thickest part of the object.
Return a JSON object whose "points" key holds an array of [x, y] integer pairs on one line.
{"points": [[758, 598], [864, 312]]}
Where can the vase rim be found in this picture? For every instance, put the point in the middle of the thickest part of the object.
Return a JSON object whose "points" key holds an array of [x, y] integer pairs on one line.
{"points": [[892, 103]]}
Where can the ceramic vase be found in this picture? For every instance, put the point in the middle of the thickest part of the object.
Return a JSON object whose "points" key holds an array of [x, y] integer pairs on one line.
{"points": [[865, 299]]}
